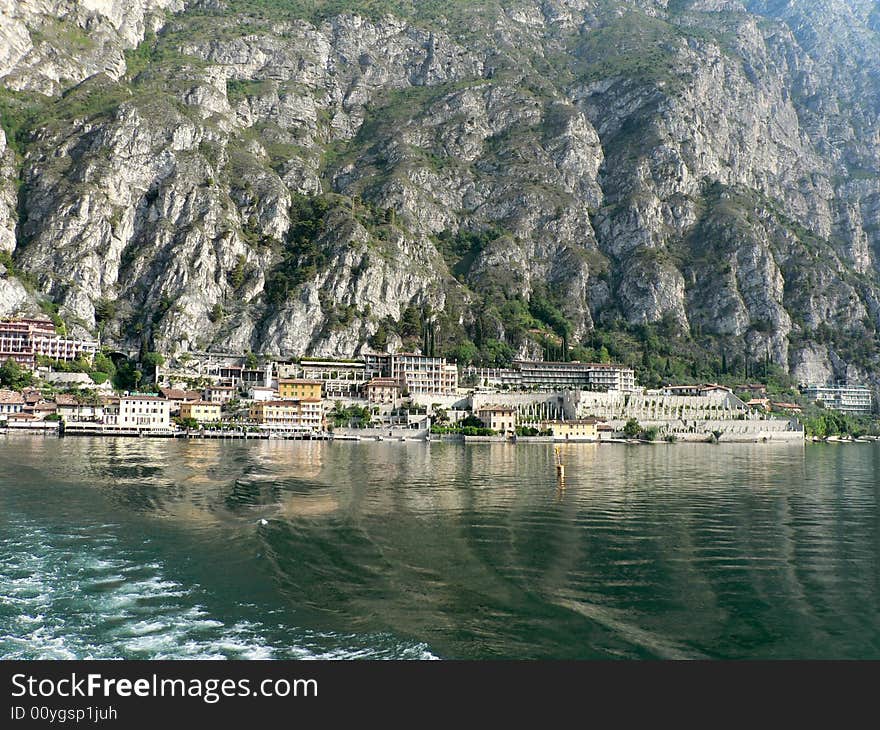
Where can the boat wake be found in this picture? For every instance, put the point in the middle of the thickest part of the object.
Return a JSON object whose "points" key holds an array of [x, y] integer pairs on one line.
{"points": [[78, 595]]}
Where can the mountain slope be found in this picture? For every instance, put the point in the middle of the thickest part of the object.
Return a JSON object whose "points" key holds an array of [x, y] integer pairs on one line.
{"points": [[682, 183]]}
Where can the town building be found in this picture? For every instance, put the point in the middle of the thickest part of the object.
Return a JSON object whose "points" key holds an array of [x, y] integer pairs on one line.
{"points": [[492, 378], [581, 429], [839, 397], [218, 393], [261, 377], [756, 390], [110, 404], [31, 396], [499, 418], [144, 412], [423, 374], [701, 390], [73, 408], [382, 391], [305, 415], [201, 411], [44, 409], [10, 402], [260, 393], [228, 374], [783, 406], [339, 378], [23, 340], [377, 364], [297, 388], [20, 419], [544, 375], [178, 396]]}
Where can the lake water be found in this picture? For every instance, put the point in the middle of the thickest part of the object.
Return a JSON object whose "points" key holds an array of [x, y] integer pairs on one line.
{"points": [[142, 548]]}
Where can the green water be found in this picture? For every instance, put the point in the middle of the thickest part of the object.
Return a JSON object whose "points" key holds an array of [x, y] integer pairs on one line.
{"points": [[155, 549]]}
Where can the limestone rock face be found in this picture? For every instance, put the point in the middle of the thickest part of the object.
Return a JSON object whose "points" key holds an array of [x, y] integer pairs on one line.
{"points": [[46, 45], [8, 196], [304, 184]]}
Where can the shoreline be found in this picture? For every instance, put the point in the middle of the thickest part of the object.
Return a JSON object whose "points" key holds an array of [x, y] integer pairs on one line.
{"points": [[56, 432]]}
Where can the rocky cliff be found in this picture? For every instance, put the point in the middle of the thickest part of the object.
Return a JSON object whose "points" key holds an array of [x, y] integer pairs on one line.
{"points": [[676, 180]]}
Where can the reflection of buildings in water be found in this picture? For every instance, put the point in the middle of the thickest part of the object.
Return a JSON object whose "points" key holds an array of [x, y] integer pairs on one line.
{"points": [[294, 506], [195, 514], [123, 461], [275, 467], [496, 472], [202, 463], [295, 459], [761, 464]]}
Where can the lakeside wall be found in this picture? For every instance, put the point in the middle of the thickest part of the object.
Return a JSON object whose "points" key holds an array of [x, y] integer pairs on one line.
{"points": [[376, 434], [730, 430]]}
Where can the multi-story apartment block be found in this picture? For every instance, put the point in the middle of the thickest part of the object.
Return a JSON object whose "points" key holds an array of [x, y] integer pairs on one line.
{"points": [[840, 397], [546, 375], [377, 364], [424, 374], [144, 412], [23, 340], [293, 415], [549, 376], [504, 378]]}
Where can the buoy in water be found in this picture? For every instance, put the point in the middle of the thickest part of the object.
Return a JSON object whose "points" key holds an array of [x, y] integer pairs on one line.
{"points": [[560, 468], [263, 522]]}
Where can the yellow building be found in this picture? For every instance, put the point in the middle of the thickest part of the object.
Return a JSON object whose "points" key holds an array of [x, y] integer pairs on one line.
{"points": [[583, 429], [306, 414], [499, 418], [201, 411], [299, 388]]}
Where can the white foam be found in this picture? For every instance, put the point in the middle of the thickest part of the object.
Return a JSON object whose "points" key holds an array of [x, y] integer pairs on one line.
{"points": [[73, 596]]}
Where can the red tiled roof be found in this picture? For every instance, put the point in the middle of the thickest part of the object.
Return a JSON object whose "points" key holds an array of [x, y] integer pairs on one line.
{"points": [[10, 396], [173, 393]]}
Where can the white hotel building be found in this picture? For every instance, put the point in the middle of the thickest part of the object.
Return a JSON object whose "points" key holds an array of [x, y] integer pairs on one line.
{"points": [[142, 412], [424, 374], [839, 397]]}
